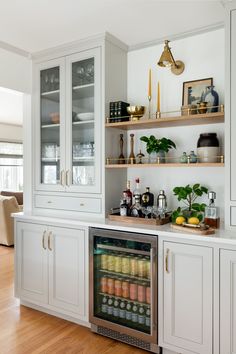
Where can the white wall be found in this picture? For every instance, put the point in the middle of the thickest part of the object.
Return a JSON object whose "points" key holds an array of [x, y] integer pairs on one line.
{"points": [[11, 132], [203, 56], [15, 71]]}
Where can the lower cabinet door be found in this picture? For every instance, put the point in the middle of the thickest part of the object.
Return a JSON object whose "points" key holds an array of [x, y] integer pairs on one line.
{"points": [[67, 272], [227, 302], [31, 262], [187, 299]]}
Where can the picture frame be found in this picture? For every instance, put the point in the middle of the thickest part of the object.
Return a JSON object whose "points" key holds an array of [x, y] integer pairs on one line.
{"points": [[193, 91]]}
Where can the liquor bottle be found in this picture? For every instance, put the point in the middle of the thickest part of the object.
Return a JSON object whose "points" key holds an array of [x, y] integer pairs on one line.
{"points": [[123, 207], [136, 209], [116, 310], [128, 312], [212, 212], [148, 317], [135, 313], [141, 315], [147, 198], [137, 191], [122, 311], [104, 304], [110, 306], [127, 195]]}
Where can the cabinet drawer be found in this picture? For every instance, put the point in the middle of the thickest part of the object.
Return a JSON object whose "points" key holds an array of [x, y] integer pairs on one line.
{"points": [[90, 205], [233, 216]]}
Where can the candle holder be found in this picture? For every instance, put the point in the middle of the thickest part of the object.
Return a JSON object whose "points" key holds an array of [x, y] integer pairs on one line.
{"points": [[131, 155], [149, 106], [158, 114], [121, 159]]}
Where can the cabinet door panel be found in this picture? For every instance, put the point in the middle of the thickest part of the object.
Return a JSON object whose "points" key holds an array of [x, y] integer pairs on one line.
{"points": [[188, 297], [32, 262], [233, 102], [227, 302], [67, 270]]}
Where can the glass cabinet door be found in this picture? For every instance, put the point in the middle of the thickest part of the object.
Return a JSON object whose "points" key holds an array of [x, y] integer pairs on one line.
{"points": [[50, 121], [83, 111]]}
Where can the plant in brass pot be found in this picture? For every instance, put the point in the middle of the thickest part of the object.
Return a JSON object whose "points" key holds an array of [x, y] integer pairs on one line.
{"points": [[157, 147], [192, 212]]}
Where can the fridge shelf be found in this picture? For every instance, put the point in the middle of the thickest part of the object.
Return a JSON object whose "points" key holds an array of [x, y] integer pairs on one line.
{"points": [[125, 299], [122, 249], [122, 275]]}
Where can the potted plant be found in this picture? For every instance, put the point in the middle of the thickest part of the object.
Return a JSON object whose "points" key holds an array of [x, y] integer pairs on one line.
{"points": [[157, 147], [188, 196]]}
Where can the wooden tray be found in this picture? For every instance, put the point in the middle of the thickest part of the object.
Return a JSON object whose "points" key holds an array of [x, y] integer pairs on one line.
{"points": [[134, 220], [193, 230]]}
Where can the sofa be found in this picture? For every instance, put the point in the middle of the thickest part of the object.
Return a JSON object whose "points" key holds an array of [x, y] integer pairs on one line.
{"points": [[8, 205]]}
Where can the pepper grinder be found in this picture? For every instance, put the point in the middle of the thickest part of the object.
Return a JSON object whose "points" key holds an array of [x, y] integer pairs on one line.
{"points": [[121, 159], [131, 155]]}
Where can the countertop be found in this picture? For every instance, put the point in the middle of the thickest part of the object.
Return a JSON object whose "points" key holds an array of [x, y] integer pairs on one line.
{"points": [[221, 235]]}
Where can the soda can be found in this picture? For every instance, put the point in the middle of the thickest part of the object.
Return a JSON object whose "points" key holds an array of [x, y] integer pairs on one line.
{"points": [[125, 289], [133, 290], [118, 287], [142, 268], [134, 266], [103, 284], [148, 267], [104, 261], [118, 263], [125, 268], [110, 286], [148, 295], [141, 292]]}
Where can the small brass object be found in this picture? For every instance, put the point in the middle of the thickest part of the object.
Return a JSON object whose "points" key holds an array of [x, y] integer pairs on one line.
{"points": [[135, 112], [222, 108], [202, 107], [222, 159], [158, 159], [107, 120], [158, 115], [167, 60], [140, 155], [108, 161]]}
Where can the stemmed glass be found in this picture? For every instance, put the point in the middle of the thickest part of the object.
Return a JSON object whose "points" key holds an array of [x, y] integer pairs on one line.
{"points": [[146, 211]]}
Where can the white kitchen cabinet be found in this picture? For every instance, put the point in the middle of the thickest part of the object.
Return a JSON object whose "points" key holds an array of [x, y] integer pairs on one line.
{"points": [[230, 116], [52, 267], [186, 305], [227, 302], [72, 88]]}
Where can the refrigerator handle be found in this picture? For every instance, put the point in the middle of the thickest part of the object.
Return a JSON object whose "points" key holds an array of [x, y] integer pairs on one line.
{"points": [[153, 290]]}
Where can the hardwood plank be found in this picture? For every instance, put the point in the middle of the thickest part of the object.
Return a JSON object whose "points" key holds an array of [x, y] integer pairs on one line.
{"points": [[26, 331]]}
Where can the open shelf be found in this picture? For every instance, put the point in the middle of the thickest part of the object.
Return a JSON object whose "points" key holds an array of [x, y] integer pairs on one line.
{"points": [[161, 165], [194, 119]]}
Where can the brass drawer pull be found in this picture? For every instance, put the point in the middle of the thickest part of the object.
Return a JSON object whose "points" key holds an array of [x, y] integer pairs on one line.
{"points": [[49, 241], [167, 260], [43, 240]]}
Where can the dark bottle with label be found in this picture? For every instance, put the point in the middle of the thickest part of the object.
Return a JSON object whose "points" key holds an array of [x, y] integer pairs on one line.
{"points": [[123, 207], [147, 198]]}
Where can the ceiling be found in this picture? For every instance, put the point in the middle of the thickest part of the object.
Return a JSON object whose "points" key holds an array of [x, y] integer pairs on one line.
{"points": [[36, 25], [11, 107]]}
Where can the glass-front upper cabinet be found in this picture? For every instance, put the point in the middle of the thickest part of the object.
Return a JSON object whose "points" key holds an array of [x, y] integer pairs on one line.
{"points": [[83, 127], [50, 107]]}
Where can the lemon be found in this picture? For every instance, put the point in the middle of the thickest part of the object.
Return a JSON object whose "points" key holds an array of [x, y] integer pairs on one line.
{"points": [[193, 220], [180, 220]]}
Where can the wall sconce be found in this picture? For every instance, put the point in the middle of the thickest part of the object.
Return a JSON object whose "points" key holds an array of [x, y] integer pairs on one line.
{"points": [[167, 61]]}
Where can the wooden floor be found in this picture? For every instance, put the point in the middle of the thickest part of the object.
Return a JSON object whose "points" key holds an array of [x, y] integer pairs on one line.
{"points": [[26, 331]]}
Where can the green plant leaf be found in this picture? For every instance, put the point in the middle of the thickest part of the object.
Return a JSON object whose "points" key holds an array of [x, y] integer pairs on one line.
{"points": [[196, 206], [204, 189], [196, 186]]}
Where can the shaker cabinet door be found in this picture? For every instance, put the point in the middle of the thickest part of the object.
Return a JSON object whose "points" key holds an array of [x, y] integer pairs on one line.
{"points": [[227, 302], [187, 297], [67, 271], [31, 262]]}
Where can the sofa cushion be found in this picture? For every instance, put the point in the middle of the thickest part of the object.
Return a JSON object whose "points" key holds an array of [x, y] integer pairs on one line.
{"points": [[17, 195]]}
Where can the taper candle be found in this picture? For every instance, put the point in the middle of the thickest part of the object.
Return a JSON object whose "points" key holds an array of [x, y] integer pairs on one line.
{"points": [[150, 83], [158, 98]]}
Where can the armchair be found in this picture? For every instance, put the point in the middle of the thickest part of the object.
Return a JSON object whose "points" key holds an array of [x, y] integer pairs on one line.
{"points": [[8, 205]]}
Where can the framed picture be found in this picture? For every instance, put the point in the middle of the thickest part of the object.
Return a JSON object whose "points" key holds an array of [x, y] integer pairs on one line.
{"points": [[194, 91]]}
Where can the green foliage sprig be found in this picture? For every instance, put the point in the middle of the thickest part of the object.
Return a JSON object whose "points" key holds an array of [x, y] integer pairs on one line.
{"points": [[156, 145]]}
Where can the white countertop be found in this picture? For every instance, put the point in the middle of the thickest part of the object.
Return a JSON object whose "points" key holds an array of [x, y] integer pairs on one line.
{"points": [[221, 235]]}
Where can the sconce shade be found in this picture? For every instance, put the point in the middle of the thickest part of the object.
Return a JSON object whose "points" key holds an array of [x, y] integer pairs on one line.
{"points": [[167, 60]]}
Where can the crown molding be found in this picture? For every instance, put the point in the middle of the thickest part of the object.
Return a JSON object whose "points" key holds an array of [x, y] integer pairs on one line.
{"points": [[176, 37], [15, 50]]}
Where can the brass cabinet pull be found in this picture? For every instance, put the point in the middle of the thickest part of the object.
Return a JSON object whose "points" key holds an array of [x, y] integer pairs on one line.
{"points": [[43, 240], [67, 178], [167, 260], [62, 178], [49, 241]]}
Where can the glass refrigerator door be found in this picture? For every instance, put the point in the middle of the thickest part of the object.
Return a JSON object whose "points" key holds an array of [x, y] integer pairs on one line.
{"points": [[124, 274], [50, 125], [83, 173]]}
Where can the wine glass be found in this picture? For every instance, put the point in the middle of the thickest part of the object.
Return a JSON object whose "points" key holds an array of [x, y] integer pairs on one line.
{"points": [[155, 212], [145, 211], [89, 72], [80, 71]]}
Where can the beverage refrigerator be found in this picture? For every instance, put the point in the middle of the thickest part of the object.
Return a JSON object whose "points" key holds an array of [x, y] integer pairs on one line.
{"points": [[123, 286]]}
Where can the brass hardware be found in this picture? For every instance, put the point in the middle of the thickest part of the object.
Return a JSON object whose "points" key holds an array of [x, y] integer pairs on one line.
{"points": [[81, 204], [167, 60], [62, 178], [222, 159], [43, 240], [67, 178], [158, 115], [49, 241], [222, 108], [167, 260]]}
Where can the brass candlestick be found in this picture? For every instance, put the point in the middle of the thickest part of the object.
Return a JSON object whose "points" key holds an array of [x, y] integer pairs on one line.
{"points": [[131, 155], [121, 159], [149, 106], [140, 155]]}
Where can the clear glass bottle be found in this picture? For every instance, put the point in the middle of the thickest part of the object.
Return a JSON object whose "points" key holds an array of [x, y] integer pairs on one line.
{"points": [[192, 157], [184, 158], [212, 212], [137, 190], [136, 209]]}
